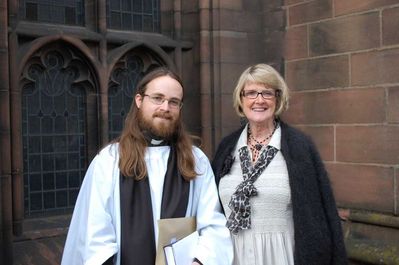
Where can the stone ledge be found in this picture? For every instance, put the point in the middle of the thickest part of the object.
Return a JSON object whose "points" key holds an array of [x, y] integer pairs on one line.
{"points": [[371, 237]]}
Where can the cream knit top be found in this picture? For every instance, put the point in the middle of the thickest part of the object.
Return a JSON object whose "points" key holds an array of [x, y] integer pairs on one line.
{"points": [[270, 241]]}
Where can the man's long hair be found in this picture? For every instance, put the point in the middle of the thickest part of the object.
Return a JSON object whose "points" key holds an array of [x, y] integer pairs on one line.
{"points": [[132, 143]]}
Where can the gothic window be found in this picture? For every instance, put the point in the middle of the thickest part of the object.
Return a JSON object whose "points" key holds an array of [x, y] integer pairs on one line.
{"points": [[121, 87], [121, 92], [69, 12], [137, 15], [54, 111]]}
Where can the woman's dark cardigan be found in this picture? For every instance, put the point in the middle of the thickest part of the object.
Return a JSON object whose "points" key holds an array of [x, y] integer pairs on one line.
{"points": [[318, 232]]}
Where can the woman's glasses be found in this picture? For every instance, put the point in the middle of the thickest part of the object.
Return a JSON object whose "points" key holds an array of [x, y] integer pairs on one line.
{"points": [[253, 94]]}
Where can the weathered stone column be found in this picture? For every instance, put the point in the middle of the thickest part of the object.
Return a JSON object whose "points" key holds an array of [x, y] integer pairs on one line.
{"points": [[5, 154]]}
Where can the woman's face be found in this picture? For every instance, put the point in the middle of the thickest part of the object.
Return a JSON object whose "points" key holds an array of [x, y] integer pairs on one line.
{"points": [[259, 110]]}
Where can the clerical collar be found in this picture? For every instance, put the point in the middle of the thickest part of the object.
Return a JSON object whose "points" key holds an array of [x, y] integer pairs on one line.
{"points": [[153, 140]]}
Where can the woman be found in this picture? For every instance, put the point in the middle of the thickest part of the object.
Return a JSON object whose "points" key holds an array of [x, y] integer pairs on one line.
{"points": [[272, 183]]}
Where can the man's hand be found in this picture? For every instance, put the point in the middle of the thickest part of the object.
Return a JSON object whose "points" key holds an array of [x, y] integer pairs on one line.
{"points": [[195, 263]]}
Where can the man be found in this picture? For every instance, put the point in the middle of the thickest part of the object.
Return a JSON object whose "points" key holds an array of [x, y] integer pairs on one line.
{"points": [[150, 172]]}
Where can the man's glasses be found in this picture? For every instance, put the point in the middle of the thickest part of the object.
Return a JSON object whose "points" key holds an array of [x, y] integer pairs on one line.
{"points": [[173, 103], [253, 94]]}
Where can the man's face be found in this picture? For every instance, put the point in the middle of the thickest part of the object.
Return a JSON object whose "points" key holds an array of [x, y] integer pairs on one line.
{"points": [[160, 118]]}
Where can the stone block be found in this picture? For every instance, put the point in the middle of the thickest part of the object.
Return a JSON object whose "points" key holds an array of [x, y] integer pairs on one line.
{"points": [[296, 43], [372, 244], [339, 106], [397, 191], [390, 25], [375, 67], [236, 20], [346, 34], [229, 117], [45, 251], [205, 46], [190, 22], [393, 105], [204, 19], [230, 73], [368, 144], [310, 11], [318, 73], [342, 7], [229, 4], [275, 46], [363, 186], [323, 137], [232, 47], [290, 2]]}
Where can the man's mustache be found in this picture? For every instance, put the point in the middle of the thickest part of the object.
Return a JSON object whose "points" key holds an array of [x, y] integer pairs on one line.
{"points": [[163, 115]]}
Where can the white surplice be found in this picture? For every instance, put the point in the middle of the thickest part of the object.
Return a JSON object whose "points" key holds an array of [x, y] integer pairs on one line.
{"points": [[94, 233]]}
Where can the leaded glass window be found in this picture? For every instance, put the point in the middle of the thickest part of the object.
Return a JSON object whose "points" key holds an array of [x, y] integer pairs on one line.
{"points": [[53, 131], [69, 12], [137, 15], [121, 92]]}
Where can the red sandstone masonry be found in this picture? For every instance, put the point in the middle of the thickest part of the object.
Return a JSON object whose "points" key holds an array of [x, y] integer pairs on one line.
{"points": [[378, 67], [190, 23], [397, 191], [342, 7], [318, 73], [204, 48], [290, 2], [368, 144], [363, 187], [339, 106], [270, 4], [296, 43], [229, 45], [390, 26], [230, 72], [274, 42], [230, 4], [237, 20], [393, 106], [257, 48], [204, 19], [323, 137], [274, 19], [228, 114], [345, 34], [204, 77], [207, 133], [310, 11]]}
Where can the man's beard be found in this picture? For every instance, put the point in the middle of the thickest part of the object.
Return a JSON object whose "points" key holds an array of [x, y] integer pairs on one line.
{"points": [[163, 130]]}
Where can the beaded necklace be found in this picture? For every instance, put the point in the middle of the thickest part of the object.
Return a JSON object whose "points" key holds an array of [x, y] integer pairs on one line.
{"points": [[254, 145]]}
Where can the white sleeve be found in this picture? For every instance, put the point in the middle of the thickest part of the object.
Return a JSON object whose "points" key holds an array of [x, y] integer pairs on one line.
{"points": [[215, 245], [91, 237]]}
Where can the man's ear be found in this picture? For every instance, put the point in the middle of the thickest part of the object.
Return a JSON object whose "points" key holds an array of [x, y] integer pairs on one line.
{"points": [[138, 99]]}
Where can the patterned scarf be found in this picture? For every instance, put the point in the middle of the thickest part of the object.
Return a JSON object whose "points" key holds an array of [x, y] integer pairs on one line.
{"points": [[240, 217]]}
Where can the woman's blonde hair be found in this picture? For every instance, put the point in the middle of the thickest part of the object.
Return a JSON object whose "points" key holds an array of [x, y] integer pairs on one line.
{"points": [[132, 143], [270, 78]]}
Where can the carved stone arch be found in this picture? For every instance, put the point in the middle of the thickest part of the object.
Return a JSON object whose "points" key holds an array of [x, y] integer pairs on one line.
{"points": [[127, 65], [155, 52], [59, 111], [27, 51], [59, 56]]}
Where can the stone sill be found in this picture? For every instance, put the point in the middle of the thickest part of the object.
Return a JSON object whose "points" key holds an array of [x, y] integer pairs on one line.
{"points": [[370, 237], [44, 227]]}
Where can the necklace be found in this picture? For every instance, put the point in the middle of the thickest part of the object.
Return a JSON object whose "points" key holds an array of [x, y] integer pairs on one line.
{"points": [[257, 146]]}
